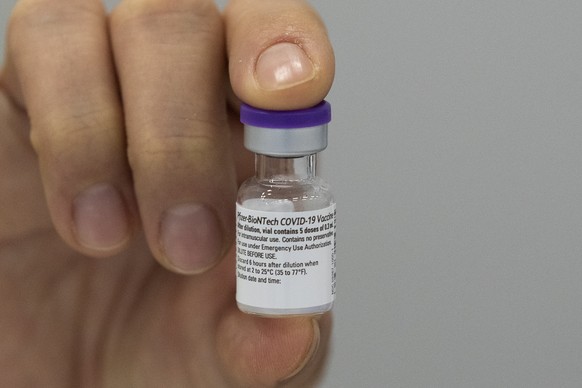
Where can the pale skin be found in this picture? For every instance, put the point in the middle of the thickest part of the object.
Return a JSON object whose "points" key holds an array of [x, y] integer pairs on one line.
{"points": [[120, 156]]}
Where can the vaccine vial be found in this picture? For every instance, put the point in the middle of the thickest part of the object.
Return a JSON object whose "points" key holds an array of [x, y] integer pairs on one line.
{"points": [[286, 217]]}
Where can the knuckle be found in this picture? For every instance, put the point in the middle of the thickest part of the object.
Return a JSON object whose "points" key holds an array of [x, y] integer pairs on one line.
{"points": [[42, 14], [58, 139], [174, 152], [155, 14], [33, 23], [174, 136]]}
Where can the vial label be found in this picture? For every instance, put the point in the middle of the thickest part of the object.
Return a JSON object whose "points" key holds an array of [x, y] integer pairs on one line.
{"points": [[285, 260]]}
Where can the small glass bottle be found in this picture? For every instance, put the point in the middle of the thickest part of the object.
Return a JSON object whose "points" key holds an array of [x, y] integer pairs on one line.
{"points": [[285, 216]]}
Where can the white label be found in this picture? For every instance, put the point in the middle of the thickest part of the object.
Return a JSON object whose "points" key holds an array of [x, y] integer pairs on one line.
{"points": [[285, 260]]}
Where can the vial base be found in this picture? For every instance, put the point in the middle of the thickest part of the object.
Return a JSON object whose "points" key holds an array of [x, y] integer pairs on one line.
{"points": [[284, 313]]}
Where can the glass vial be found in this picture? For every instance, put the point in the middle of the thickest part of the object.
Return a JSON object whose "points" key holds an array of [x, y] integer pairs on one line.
{"points": [[286, 216]]}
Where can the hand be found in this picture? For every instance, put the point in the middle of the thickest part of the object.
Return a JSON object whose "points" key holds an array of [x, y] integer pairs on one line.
{"points": [[119, 138]]}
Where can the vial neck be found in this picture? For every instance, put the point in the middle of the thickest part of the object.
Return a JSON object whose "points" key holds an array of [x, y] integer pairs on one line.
{"points": [[273, 169]]}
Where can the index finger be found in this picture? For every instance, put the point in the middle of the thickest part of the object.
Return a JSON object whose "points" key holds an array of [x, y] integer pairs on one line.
{"points": [[280, 56]]}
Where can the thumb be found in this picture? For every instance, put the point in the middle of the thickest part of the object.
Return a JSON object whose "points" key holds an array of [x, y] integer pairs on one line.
{"points": [[261, 352], [279, 53]]}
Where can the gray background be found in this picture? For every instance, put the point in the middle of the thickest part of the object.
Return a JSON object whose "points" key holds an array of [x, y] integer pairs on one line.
{"points": [[455, 154]]}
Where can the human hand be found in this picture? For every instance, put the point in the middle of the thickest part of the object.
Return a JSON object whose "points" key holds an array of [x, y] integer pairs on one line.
{"points": [[119, 138]]}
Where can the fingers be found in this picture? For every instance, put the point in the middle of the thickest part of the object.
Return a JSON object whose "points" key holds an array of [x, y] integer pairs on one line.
{"points": [[170, 61], [170, 64], [279, 54], [20, 179], [60, 68], [261, 352]]}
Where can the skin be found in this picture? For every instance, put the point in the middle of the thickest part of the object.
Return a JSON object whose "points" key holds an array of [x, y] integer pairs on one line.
{"points": [[143, 103]]}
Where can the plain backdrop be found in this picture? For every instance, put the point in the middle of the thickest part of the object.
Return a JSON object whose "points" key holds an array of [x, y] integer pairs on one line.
{"points": [[455, 156]]}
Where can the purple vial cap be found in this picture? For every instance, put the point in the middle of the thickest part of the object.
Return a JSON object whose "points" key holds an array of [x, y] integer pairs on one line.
{"points": [[286, 119]]}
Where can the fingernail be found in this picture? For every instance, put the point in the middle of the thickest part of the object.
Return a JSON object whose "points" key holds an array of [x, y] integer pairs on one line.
{"points": [[100, 218], [191, 237], [310, 353], [282, 66]]}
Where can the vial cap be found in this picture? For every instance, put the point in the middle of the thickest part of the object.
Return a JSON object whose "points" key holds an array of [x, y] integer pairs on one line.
{"points": [[286, 133], [286, 119]]}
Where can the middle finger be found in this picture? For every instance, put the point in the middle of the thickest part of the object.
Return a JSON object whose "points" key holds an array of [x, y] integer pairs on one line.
{"points": [[170, 60]]}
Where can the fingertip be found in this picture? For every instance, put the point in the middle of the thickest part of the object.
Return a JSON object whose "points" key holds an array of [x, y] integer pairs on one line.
{"points": [[280, 56], [312, 369], [192, 238], [309, 354], [283, 66], [101, 219], [265, 351]]}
